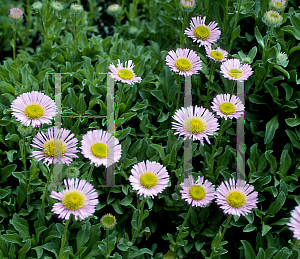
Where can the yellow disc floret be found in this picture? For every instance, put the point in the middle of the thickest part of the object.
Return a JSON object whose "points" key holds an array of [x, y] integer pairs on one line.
{"points": [[183, 64], [73, 200], [197, 192], [99, 150], [236, 198], [227, 108], [54, 148], [237, 73], [202, 32], [125, 74], [195, 125], [148, 180], [216, 55], [34, 111]]}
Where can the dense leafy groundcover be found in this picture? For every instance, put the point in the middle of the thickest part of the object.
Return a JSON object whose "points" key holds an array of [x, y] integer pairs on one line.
{"points": [[84, 43]]}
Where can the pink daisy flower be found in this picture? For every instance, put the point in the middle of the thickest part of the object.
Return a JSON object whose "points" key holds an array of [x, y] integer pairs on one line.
{"points": [[124, 74], [236, 198], [15, 13], [227, 107], [197, 193], [197, 125], [294, 224], [184, 61], [199, 32], [79, 198], [34, 107], [218, 54], [101, 147], [149, 179], [233, 70], [57, 146]]}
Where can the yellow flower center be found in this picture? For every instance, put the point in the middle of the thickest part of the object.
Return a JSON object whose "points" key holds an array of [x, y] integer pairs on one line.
{"points": [[183, 64], [34, 111], [236, 198], [73, 200], [54, 148], [195, 125], [99, 150], [202, 32], [197, 192], [216, 55], [148, 180], [125, 74], [227, 108], [237, 73]]}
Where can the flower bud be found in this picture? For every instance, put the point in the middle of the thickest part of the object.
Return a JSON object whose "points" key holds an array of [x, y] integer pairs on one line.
{"points": [[16, 13]]}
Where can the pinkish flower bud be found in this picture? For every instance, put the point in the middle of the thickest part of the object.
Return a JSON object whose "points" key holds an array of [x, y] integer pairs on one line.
{"points": [[16, 13]]}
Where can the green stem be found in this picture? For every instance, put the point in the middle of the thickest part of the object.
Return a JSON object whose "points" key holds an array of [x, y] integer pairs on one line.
{"points": [[297, 242], [47, 186], [235, 24], [107, 245], [119, 103], [212, 70], [206, 7], [15, 34], [90, 173], [221, 237], [75, 29], [25, 169], [179, 90], [211, 160], [225, 18], [182, 227], [63, 239], [266, 44]]}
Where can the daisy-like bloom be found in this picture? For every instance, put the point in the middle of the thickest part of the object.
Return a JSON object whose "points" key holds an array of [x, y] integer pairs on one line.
{"points": [[197, 193], [184, 61], [218, 54], [272, 19], [277, 5], [124, 74], [108, 221], [79, 198], [227, 107], [234, 70], [34, 107], [236, 197], [101, 147], [294, 223], [56, 147], [197, 125], [199, 32], [16, 13], [149, 179]]}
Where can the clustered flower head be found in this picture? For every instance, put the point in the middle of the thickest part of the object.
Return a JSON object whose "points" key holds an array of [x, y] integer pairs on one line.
{"points": [[124, 74], [16, 13], [108, 221], [79, 198], [282, 59], [57, 6], [77, 8], [38, 5], [272, 19], [218, 54], [184, 61], [205, 34], [277, 5]]}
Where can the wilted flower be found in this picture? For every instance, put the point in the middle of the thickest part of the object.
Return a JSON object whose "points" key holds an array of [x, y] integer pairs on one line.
{"points": [[16, 13]]}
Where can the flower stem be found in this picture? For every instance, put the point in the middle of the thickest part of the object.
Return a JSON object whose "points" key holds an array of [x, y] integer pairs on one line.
{"points": [[107, 245], [212, 70], [211, 160], [90, 173], [179, 89], [26, 177], [15, 32], [119, 103], [47, 186], [225, 17], [63, 239], [265, 47], [182, 227], [235, 23], [221, 237]]}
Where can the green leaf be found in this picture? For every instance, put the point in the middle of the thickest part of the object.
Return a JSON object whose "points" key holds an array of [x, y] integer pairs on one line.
{"points": [[265, 229], [12, 238], [277, 204], [249, 228], [249, 252], [6, 172], [24, 250], [294, 139], [162, 117], [235, 33], [141, 252], [7, 87], [291, 30], [21, 225], [281, 69], [293, 122], [81, 105], [117, 206], [259, 37], [127, 200], [159, 149], [285, 162], [83, 235], [271, 127]]}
